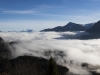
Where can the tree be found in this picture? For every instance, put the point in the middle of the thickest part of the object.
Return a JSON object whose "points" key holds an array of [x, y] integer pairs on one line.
{"points": [[52, 67]]}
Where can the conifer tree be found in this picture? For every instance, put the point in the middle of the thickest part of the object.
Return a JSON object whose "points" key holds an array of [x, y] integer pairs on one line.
{"points": [[52, 67]]}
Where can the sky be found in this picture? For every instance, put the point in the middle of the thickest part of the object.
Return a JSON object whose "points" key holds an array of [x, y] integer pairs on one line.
{"points": [[40, 14]]}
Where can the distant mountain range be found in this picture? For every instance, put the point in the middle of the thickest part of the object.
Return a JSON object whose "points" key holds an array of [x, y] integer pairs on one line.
{"points": [[24, 30], [93, 28], [70, 27], [27, 30]]}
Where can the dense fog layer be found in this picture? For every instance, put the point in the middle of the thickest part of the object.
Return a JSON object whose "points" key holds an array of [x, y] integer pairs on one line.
{"points": [[64, 47]]}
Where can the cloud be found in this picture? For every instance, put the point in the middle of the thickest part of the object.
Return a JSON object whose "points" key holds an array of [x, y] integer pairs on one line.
{"points": [[35, 9], [75, 52], [19, 12]]}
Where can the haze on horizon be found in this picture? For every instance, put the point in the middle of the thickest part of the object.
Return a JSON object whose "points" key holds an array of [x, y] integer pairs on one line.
{"points": [[41, 14]]}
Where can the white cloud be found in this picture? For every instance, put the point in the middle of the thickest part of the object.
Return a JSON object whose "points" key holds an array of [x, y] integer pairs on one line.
{"points": [[19, 11], [37, 43], [34, 9]]}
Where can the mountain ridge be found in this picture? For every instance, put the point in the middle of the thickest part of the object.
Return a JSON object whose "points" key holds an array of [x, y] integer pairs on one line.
{"points": [[95, 29], [71, 26]]}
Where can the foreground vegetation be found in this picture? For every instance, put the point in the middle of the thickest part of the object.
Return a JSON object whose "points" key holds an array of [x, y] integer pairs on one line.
{"points": [[29, 65]]}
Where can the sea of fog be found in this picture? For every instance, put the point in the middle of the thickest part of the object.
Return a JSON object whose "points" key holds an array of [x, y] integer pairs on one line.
{"points": [[64, 47]]}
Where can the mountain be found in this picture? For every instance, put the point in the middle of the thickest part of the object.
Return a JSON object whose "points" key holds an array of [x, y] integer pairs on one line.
{"points": [[89, 25], [69, 27], [27, 30], [95, 29], [24, 30], [74, 27]]}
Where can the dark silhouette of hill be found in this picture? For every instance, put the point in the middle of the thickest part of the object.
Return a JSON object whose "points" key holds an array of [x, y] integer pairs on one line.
{"points": [[95, 29], [29, 65], [69, 27], [4, 49]]}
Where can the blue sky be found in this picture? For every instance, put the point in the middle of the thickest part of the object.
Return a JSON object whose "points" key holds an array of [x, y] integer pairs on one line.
{"points": [[41, 14]]}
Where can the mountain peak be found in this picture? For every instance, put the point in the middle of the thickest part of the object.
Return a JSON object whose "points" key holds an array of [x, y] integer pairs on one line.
{"points": [[71, 22], [68, 27]]}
